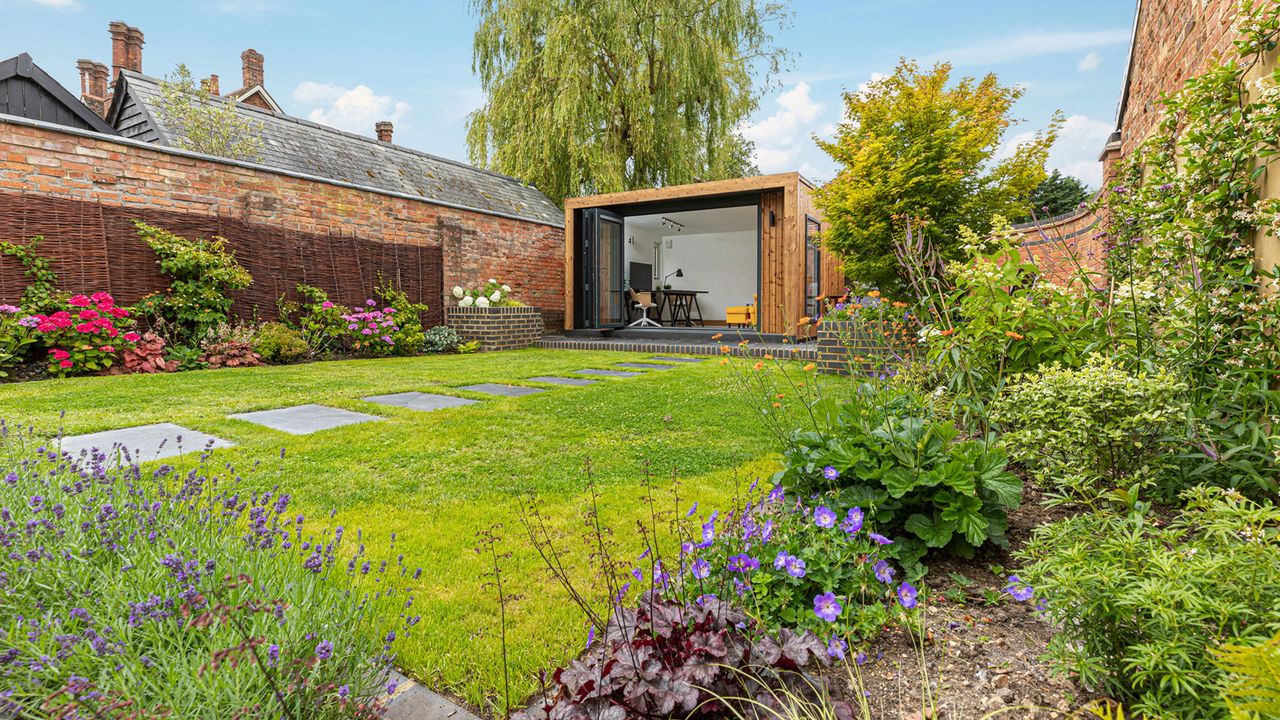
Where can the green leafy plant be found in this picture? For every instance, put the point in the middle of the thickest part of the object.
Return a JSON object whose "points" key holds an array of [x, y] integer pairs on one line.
{"points": [[1141, 604], [41, 293], [919, 481], [279, 343], [202, 272], [318, 318], [409, 335], [205, 123], [1087, 431], [14, 337], [440, 339], [1253, 678]]}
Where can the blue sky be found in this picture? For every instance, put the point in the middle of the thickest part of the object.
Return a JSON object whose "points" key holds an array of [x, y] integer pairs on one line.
{"points": [[349, 64]]}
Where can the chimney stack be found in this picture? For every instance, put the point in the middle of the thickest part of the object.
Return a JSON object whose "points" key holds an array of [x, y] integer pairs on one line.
{"points": [[126, 48], [383, 128], [210, 85], [251, 63], [93, 85]]}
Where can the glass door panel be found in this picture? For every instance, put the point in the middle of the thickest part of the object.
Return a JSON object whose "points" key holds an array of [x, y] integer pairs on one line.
{"points": [[603, 269]]}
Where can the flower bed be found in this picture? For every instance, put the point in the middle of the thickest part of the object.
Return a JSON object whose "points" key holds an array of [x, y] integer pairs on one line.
{"points": [[497, 327]]}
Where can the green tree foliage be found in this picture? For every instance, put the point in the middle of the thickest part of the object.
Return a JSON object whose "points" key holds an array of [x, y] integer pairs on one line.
{"points": [[609, 95], [916, 147], [1057, 194], [202, 123]]}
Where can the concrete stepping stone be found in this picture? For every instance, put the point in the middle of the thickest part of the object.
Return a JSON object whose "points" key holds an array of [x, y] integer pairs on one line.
{"points": [[607, 373], [502, 390], [426, 402], [552, 380], [305, 419], [646, 366], [144, 442], [678, 359], [412, 701]]}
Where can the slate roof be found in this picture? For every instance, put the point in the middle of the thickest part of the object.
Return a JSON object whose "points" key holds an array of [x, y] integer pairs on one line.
{"points": [[305, 147]]}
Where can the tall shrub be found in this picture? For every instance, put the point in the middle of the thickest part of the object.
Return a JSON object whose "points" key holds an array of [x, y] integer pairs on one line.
{"points": [[201, 273]]}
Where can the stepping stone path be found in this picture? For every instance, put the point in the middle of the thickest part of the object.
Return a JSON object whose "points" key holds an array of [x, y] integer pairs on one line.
{"points": [[503, 390], [144, 442], [305, 419], [412, 701], [576, 382], [607, 373], [420, 401], [646, 366], [678, 359]]}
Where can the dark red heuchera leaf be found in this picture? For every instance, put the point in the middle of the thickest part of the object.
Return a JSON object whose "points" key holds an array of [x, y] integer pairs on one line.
{"points": [[662, 659]]}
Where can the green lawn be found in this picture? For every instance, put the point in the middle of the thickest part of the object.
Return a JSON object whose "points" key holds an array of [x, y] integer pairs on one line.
{"points": [[436, 479]]}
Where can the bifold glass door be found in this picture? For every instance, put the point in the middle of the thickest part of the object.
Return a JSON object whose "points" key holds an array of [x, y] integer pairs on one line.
{"points": [[602, 269]]}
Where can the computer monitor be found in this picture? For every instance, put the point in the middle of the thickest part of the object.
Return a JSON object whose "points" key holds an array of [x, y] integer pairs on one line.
{"points": [[640, 275]]}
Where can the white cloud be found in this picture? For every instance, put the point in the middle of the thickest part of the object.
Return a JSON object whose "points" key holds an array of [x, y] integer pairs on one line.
{"points": [[780, 135], [875, 77], [1080, 141], [58, 4], [1027, 45], [1088, 62], [353, 109]]}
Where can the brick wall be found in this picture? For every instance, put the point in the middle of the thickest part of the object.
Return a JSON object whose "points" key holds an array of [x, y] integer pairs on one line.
{"points": [[37, 159], [848, 345], [1173, 40], [1062, 245], [497, 328]]}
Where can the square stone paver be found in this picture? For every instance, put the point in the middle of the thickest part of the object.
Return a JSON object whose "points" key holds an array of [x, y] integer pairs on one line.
{"points": [[425, 402], [678, 359], [145, 442], [646, 366], [503, 390], [305, 419], [607, 373], [576, 382]]}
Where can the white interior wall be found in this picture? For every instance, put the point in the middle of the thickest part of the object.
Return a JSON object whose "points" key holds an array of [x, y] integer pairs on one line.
{"points": [[724, 264], [639, 248]]}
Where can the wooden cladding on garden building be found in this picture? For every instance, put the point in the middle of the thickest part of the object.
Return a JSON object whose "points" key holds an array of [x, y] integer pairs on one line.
{"points": [[96, 247]]}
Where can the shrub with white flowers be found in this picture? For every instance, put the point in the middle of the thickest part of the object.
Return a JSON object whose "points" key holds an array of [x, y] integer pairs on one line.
{"points": [[491, 294]]}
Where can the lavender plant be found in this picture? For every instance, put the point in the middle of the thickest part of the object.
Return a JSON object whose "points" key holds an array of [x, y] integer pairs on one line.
{"points": [[127, 592]]}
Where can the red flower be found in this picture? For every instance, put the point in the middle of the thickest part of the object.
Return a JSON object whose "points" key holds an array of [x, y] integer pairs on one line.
{"points": [[85, 328], [78, 301], [119, 312], [112, 332], [59, 354], [107, 349], [104, 299], [132, 337], [66, 364], [88, 314]]}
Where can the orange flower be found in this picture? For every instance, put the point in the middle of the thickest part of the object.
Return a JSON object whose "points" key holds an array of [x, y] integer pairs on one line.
{"points": [[1013, 334], [944, 333], [717, 336], [874, 294], [725, 349], [804, 321], [780, 396], [768, 357], [777, 404], [899, 304], [724, 361], [759, 365], [809, 367]]}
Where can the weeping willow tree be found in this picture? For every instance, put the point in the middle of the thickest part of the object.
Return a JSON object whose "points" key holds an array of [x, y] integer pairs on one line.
{"points": [[591, 96]]}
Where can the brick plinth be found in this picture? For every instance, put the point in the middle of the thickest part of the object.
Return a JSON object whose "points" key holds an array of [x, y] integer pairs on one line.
{"points": [[847, 344], [497, 328]]}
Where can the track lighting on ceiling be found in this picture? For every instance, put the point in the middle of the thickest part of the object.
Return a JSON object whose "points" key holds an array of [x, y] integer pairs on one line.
{"points": [[670, 224]]}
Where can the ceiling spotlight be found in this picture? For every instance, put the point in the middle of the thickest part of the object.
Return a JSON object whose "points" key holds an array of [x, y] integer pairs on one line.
{"points": [[670, 224]]}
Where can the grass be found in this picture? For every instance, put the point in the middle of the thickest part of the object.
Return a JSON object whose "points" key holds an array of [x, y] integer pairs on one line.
{"points": [[437, 479]]}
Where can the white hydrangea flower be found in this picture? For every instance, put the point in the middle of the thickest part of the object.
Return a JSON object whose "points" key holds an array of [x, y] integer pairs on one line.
{"points": [[457, 292], [466, 301], [506, 288], [492, 281], [482, 302], [496, 296]]}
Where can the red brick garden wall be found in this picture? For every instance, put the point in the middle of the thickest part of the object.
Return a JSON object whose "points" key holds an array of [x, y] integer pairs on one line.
{"points": [[41, 161], [1063, 245]]}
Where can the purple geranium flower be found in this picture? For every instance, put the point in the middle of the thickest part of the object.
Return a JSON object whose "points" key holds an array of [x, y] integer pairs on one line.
{"points": [[827, 607], [836, 647], [907, 595], [824, 517], [743, 563], [880, 539], [795, 567], [853, 521], [884, 573], [830, 473], [1020, 591], [701, 569]]}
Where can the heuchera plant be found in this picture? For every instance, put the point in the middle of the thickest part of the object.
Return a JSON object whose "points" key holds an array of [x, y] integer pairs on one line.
{"points": [[85, 336], [665, 659]]}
